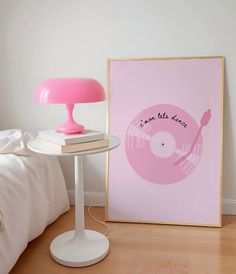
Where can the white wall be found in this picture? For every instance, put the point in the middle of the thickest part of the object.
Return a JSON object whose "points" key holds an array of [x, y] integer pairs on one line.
{"points": [[59, 38]]}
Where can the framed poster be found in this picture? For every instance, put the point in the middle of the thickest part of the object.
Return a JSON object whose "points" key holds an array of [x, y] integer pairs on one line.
{"points": [[168, 113]]}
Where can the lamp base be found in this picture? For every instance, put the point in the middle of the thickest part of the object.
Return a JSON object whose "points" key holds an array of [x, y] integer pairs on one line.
{"points": [[70, 127]]}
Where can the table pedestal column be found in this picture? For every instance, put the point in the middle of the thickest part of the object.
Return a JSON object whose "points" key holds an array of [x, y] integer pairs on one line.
{"points": [[79, 247]]}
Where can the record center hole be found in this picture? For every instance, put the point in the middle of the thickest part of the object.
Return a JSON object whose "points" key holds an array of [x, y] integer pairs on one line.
{"points": [[163, 144]]}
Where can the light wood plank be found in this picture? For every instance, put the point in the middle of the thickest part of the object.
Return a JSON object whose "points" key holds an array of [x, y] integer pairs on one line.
{"points": [[141, 249]]}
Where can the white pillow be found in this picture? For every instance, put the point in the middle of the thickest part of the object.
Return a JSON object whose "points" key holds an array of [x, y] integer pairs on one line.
{"points": [[14, 141]]}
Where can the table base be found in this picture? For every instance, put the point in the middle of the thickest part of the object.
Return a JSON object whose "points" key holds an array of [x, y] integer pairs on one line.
{"points": [[78, 249]]}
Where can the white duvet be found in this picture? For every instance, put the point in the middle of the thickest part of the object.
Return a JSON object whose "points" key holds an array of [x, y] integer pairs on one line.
{"points": [[32, 195]]}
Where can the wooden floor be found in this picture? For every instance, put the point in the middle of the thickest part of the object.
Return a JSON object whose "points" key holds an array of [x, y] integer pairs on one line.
{"points": [[141, 249]]}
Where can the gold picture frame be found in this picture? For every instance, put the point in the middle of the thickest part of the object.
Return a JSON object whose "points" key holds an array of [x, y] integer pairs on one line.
{"points": [[218, 223]]}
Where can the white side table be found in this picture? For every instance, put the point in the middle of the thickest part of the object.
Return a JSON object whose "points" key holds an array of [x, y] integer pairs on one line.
{"points": [[79, 247]]}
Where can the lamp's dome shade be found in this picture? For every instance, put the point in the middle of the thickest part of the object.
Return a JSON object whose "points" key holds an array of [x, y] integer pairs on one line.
{"points": [[69, 90]]}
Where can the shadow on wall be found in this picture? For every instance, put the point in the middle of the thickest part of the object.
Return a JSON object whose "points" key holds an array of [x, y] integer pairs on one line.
{"points": [[229, 165], [93, 172], [67, 166]]}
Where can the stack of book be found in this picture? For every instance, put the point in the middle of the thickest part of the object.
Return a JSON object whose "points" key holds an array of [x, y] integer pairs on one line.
{"points": [[66, 143]]}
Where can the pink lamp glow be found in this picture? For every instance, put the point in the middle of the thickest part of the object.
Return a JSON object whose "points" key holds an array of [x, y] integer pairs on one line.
{"points": [[69, 91]]}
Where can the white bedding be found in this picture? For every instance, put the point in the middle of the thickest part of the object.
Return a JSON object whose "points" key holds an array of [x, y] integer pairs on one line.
{"points": [[32, 195]]}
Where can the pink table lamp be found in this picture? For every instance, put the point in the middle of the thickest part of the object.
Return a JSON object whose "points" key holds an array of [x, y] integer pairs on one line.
{"points": [[69, 91]]}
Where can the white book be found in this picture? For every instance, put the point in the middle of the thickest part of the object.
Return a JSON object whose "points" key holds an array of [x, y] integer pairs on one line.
{"points": [[74, 147], [88, 135]]}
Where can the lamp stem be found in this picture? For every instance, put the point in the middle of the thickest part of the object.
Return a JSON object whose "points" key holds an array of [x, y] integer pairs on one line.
{"points": [[70, 126], [70, 108]]}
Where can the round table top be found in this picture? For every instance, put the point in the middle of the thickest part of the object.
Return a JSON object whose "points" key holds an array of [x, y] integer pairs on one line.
{"points": [[36, 146]]}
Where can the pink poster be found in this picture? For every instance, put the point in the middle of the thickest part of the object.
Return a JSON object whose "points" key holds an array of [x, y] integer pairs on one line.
{"points": [[168, 114]]}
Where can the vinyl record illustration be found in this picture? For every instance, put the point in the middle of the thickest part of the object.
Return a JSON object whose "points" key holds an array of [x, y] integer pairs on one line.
{"points": [[164, 144]]}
